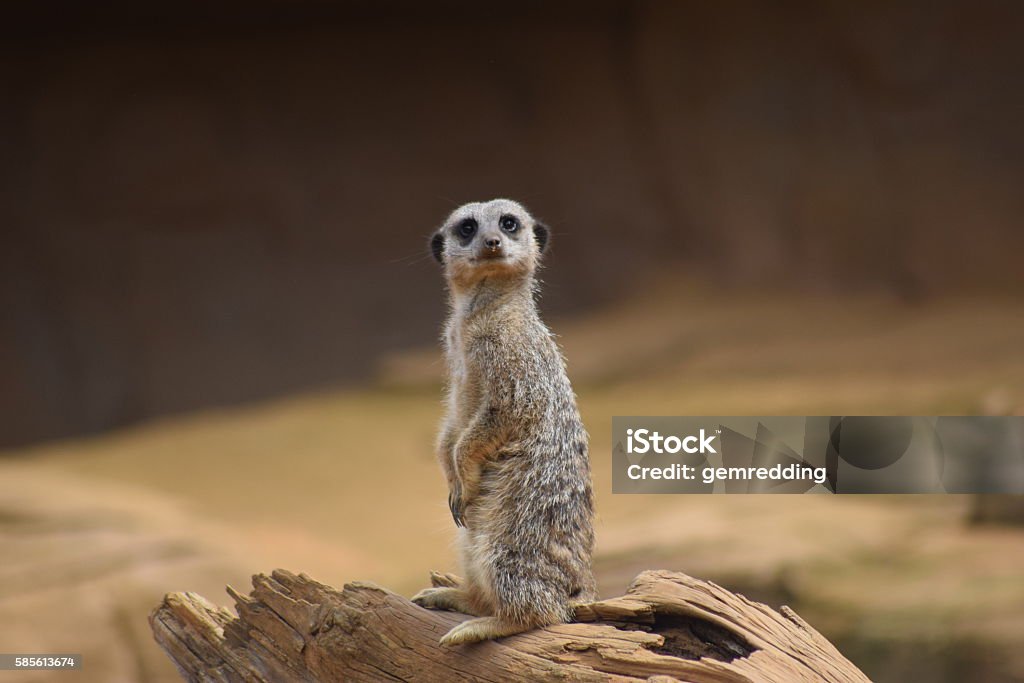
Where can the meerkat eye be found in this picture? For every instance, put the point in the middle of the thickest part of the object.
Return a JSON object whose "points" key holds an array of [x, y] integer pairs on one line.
{"points": [[466, 228], [509, 224]]}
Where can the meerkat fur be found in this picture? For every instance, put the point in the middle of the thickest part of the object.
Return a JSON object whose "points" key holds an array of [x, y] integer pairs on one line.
{"points": [[512, 445]]}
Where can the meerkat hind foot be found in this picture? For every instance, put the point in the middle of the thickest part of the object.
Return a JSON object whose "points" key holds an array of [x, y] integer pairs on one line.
{"points": [[439, 580], [454, 599], [481, 628]]}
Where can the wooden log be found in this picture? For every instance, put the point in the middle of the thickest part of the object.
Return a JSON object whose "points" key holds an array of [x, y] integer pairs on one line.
{"points": [[667, 627]]}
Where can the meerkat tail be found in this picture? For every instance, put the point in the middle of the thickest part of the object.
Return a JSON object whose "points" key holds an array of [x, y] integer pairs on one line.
{"points": [[481, 628]]}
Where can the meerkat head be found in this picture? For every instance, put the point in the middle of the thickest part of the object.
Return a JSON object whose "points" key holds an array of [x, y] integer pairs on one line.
{"points": [[497, 239]]}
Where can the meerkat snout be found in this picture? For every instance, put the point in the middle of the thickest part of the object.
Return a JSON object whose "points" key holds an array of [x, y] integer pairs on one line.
{"points": [[492, 245]]}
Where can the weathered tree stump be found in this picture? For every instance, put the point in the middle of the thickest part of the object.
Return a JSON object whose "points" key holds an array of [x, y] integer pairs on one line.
{"points": [[667, 627]]}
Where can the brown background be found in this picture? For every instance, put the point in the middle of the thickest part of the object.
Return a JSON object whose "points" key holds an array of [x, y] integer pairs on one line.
{"points": [[218, 317], [202, 207]]}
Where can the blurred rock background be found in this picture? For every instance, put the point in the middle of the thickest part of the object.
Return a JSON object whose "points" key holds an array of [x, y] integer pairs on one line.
{"points": [[217, 340]]}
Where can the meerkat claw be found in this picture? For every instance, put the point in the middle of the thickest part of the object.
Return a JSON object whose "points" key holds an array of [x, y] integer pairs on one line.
{"points": [[456, 505], [452, 508]]}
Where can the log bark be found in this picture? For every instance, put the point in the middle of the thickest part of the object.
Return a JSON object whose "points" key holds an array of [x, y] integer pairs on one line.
{"points": [[668, 626]]}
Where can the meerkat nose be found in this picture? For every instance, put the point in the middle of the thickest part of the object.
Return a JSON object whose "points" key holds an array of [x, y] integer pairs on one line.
{"points": [[492, 243]]}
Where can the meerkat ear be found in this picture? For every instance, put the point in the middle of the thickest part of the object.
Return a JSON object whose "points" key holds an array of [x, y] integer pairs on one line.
{"points": [[437, 246], [541, 234]]}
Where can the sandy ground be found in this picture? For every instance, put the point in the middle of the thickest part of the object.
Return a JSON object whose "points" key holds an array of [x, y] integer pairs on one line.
{"points": [[344, 486]]}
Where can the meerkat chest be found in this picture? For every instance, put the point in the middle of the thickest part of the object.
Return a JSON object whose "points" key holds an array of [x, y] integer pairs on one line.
{"points": [[464, 380], [455, 354]]}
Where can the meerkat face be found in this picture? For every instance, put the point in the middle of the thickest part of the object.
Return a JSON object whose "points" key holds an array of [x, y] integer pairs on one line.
{"points": [[498, 238]]}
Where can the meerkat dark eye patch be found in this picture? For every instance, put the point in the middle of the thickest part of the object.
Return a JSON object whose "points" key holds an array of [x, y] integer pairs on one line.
{"points": [[541, 234], [466, 228], [509, 224], [437, 247]]}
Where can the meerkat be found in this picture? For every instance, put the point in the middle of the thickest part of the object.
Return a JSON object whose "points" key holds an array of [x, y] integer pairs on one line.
{"points": [[512, 445]]}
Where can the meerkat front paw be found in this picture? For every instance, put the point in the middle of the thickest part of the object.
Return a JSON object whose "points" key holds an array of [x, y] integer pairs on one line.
{"points": [[482, 628]]}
